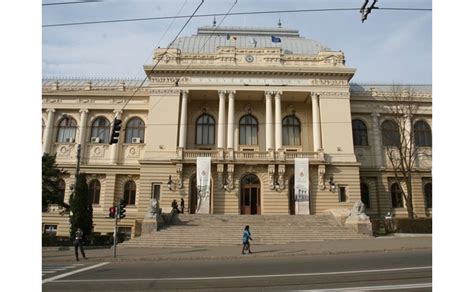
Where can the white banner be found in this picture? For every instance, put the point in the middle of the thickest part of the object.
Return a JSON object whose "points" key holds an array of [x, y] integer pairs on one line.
{"points": [[302, 186], [203, 177]]}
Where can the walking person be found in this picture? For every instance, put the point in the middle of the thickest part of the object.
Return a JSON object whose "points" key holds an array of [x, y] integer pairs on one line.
{"points": [[245, 240], [174, 206], [78, 236], [182, 206]]}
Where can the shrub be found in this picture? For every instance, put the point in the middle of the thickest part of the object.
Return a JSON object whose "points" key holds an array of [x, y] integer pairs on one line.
{"points": [[422, 225], [49, 240]]}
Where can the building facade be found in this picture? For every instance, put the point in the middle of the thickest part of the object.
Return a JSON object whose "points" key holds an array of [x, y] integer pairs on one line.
{"points": [[251, 99]]}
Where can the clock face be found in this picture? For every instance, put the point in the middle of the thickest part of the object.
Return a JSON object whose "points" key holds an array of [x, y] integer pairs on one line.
{"points": [[249, 58]]}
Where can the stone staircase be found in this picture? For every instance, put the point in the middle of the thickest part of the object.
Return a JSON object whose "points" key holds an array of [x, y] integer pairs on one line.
{"points": [[226, 230]]}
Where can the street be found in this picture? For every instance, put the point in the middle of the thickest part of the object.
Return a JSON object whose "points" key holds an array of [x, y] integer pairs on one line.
{"points": [[394, 270]]}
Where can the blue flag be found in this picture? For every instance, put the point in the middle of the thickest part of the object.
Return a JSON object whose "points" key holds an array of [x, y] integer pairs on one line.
{"points": [[276, 39]]}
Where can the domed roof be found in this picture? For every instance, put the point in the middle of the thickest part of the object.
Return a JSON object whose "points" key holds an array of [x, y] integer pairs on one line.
{"points": [[208, 38]]}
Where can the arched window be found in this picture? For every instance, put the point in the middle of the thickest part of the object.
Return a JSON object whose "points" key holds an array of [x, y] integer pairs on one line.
{"points": [[390, 133], [101, 130], [129, 192], [428, 195], [291, 131], [248, 128], [94, 192], [66, 130], [422, 134], [135, 129], [205, 127], [61, 190], [359, 133], [397, 196], [364, 194]]}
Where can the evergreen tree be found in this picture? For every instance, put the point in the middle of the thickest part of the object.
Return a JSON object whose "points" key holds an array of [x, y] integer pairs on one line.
{"points": [[81, 208], [51, 175]]}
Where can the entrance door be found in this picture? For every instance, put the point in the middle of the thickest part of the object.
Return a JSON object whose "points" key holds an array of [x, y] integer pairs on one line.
{"points": [[291, 196], [250, 195]]}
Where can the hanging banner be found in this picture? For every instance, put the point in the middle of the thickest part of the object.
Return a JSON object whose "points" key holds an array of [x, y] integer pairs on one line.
{"points": [[203, 177], [302, 186]]}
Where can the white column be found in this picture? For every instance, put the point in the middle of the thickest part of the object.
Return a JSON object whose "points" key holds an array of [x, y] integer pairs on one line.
{"points": [[278, 130], [316, 122], [48, 131], [221, 121], [115, 147], [82, 130], [230, 121], [183, 120], [376, 138], [268, 120]]}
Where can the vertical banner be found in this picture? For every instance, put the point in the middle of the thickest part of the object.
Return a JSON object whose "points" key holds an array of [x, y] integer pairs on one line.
{"points": [[203, 180], [302, 186]]}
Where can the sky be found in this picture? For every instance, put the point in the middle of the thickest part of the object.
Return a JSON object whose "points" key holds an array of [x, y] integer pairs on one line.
{"points": [[390, 47]]}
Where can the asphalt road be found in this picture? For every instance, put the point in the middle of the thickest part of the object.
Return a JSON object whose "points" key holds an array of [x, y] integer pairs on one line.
{"points": [[394, 271]]}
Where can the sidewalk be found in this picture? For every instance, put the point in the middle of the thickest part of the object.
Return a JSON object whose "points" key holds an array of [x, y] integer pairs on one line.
{"points": [[50, 255]]}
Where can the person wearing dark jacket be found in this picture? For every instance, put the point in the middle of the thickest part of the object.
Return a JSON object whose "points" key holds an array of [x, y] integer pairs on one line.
{"points": [[78, 236]]}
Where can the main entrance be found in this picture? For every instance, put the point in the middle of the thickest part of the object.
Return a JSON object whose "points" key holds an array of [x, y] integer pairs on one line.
{"points": [[250, 195]]}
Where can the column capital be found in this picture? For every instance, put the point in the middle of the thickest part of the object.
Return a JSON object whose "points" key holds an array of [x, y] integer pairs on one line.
{"points": [[50, 110], [268, 93], [222, 93], [184, 92], [278, 93], [117, 112], [314, 94], [231, 93], [83, 111], [375, 115]]}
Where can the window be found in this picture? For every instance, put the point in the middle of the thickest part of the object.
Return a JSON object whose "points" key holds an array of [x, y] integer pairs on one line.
{"points": [[422, 134], [291, 131], [342, 194], [428, 196], [156, 192], [390, 133], [205, 130], [129, 192], [359, 133], [66, 130], [248, 128], [135, 129], [364, 194], [94, 192], [397, 196], [61, 190], [101, 129], [50, 229]]}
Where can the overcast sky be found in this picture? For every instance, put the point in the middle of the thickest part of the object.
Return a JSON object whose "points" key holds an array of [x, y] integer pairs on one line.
{"points": [[390, 47]]}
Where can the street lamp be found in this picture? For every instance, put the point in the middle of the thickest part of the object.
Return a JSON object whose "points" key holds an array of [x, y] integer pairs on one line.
{"points": [[170, 183], [332, 184]]}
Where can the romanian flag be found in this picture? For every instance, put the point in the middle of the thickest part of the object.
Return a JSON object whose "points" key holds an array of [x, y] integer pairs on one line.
{"points": [[231, 37], [276, 39]]}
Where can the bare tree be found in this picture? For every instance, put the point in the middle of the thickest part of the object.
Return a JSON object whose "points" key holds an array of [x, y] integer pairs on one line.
{"points": [[402, 107]]}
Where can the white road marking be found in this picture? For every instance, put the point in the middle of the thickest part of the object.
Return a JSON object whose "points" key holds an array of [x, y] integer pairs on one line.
{"points": [[249, 276], [73, 272], [378, 288]]}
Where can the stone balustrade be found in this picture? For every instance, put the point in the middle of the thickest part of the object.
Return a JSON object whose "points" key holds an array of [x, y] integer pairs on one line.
{"points": [[231, 155]]}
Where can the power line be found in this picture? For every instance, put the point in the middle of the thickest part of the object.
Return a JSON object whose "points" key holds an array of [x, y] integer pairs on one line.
{"points": [[72, 2], [232, 14]]}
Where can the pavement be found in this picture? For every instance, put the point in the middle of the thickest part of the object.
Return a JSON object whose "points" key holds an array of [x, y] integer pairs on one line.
{"points": [[133, 254]]}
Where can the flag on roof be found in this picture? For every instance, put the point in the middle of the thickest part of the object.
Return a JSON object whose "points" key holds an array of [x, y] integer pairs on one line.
{"points": [[276, 39], [231, 37]]}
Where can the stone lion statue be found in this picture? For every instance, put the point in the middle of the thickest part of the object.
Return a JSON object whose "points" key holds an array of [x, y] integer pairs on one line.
{"points": [[154, 208], [358, 211]]}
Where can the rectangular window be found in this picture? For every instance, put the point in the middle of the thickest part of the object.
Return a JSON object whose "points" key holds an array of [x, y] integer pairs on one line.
{"points": [[342, 194], [156, 192], [50, 229]]}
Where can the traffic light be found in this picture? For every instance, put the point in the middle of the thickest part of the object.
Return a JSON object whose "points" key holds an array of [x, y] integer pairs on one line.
{"points": [[112, 212], [122, 209], [115, 132]]}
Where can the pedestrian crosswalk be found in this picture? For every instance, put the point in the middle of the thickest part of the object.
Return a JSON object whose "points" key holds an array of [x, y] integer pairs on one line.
{"points": [[54, 268]]}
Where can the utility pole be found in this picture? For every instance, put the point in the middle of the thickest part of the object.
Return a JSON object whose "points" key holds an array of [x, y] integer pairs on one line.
{"points": [[117, 214]]}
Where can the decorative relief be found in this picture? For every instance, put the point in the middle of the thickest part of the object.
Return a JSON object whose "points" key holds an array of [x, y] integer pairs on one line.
{"points": [[98, 151], [165, 91], [85, 100], [119, 100], [329, 82], [169, 79], [334, 94], [132, 152], [53, 100]]}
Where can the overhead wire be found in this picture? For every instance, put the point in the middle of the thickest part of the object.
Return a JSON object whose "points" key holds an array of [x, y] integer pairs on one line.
{"points": [[71, 2], [232, 14]]}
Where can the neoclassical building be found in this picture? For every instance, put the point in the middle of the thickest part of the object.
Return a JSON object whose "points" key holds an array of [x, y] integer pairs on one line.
{"points": [[251, 99]]}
